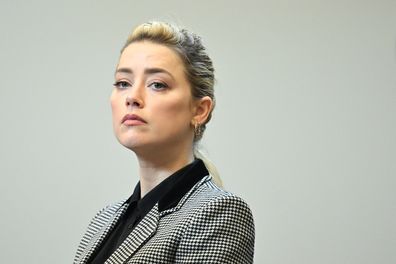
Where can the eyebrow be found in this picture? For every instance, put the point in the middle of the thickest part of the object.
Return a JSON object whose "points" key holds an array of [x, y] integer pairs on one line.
{"points": [[123, 70], [147, 71]]}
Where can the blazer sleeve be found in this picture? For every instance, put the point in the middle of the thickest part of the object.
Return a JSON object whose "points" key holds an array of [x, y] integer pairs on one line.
{"points": [[221, 232]]}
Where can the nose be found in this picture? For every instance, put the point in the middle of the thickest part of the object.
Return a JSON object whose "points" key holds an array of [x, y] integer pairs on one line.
{"points": [[135, 98]]}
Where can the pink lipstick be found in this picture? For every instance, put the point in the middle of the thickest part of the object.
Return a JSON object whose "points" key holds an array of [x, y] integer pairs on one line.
{"points": [[133, 120]]}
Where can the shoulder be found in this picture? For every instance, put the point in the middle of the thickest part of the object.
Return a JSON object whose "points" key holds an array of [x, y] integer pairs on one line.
{"points": [[211, 197], [222, 224], [97, 224], [107, 212], [215, 200], [208, 206], [102, 219]]}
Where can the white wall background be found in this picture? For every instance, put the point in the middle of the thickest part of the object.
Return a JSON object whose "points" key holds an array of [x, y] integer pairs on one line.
{"points": [[304, 128]]}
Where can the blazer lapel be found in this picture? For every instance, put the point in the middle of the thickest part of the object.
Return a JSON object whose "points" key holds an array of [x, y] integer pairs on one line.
{"points": [[108, 223], [139, 235]]}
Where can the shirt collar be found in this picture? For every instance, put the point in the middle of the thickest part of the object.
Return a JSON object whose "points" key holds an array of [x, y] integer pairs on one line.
{"points": [[170, 191]]}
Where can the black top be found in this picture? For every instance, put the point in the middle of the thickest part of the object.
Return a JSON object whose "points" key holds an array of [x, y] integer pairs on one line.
{"points": [[168, 194]]}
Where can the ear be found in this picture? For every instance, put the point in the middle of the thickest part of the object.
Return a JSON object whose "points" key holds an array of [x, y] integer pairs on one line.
{"points": [[203, 107]]}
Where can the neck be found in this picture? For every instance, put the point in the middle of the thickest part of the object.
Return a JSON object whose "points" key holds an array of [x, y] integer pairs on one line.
{"points": [[153, 169]]}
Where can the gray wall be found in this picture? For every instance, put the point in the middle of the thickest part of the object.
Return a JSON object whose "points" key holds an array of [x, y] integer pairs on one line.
{"points": [[304, 128]]}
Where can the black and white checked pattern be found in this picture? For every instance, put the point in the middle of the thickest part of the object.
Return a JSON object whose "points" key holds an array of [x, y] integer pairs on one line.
{"points": [[209, 225]]}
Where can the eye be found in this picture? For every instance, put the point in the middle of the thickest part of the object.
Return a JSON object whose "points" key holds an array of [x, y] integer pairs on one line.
{"points": [[121, 85], [158, 86]]}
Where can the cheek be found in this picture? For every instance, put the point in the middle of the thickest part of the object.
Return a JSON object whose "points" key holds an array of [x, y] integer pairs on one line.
{"points": [[116, 108], [174, 113], [114, 101]]}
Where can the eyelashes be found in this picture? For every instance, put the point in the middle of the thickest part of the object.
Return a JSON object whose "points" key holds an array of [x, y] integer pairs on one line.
{"points": [[154, 85], [158, 86], [121, 85]]}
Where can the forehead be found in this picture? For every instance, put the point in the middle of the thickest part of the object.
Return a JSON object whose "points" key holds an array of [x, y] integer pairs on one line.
{"points": [[148, 54]]}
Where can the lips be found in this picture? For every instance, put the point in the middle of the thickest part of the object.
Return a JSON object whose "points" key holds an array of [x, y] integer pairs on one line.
{"points": [[133, 119]]}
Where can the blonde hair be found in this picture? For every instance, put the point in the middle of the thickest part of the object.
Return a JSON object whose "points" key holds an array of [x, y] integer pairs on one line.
{"points": [[198, 68]]}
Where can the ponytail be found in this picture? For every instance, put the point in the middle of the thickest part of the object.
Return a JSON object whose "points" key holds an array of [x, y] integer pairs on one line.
{"points": [[209, 166]]}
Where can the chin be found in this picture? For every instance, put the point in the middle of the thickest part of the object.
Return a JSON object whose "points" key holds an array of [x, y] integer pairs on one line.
{"points": [[144, 142], [130, 143], [137, 143]]}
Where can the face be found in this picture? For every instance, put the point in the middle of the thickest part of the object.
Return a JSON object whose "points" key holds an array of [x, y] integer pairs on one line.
{"points": [[151, 102]]}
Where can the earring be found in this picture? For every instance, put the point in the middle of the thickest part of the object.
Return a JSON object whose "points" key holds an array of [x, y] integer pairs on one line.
{"points": [[197, 130]]}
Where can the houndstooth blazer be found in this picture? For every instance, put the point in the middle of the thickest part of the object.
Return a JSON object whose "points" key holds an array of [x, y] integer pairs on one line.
{"points": [[208, 225]]}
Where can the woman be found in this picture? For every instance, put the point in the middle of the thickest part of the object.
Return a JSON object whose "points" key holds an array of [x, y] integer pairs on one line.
{"points": [[162, 100]]}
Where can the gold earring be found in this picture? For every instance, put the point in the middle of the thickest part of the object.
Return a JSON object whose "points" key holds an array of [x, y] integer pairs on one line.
{"points": [[197, 130]]}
